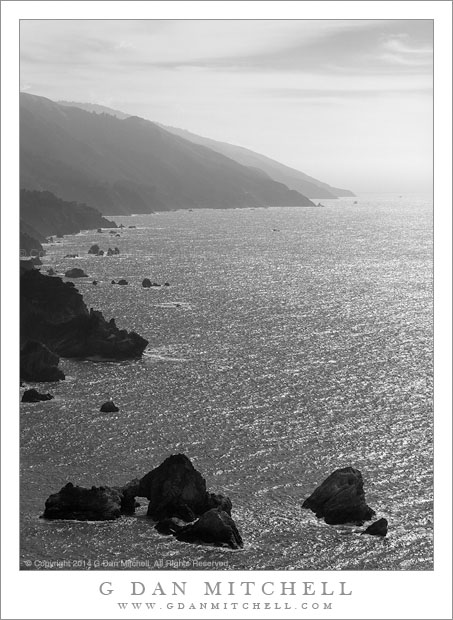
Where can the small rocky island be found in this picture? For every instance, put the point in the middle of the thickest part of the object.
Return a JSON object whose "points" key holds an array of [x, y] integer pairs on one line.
{"points": [[178, 501], [54, 321], [341, 498]]}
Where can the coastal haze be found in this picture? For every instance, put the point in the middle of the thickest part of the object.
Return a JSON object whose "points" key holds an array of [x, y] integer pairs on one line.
{"points": [[348, 102], [226, 244]]}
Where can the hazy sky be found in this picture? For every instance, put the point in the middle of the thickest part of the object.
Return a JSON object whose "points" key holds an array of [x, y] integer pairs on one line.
{"points": [[348, 102]]}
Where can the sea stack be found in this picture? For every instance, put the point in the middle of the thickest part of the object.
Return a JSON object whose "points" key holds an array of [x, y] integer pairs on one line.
{"points": [[340, 498]]}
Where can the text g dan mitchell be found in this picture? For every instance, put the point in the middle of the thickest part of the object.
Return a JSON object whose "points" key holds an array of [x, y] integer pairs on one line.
{"points": [[306, 589]]}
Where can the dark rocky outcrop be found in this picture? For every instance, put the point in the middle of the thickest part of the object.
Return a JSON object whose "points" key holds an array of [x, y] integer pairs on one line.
{"points": [[170, 526], [148, 284], [128, 494], [94, 249], [53, 312], [100, 253], [174, 489], [99, 230], [33, 396], [178, 501], [220, 502], [122, 282], [26, 265], [215, 527], [71, 256], [38, 363], [177, 489], [109, 407], [76, 272], [378, 528], [51, 272], [340, 498], [74, 502]]}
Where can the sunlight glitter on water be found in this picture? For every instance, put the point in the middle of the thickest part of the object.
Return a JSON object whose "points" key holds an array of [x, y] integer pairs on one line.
{"points": [[291, 354]]}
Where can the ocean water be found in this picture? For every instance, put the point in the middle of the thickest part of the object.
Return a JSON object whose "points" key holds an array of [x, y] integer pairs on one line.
{"points": [[290, 342]]}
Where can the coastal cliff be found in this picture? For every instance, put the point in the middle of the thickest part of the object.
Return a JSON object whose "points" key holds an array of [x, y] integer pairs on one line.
{"points": [[43, 214], [53, 313]]}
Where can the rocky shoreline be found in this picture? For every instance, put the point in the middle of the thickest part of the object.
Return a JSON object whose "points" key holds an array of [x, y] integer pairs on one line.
{"points": [[55, 321]]}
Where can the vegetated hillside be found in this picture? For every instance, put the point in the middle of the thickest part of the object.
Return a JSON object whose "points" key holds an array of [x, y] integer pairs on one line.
{"points": [[279, 172], [43, 214], [132, 165], [294, 179]]}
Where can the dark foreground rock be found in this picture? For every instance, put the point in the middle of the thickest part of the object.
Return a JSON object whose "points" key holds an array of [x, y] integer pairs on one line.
{"points": [[38, 363], [109, 407], [214, 527], [177, 489], [174, 489], [123, 282], [378, 528], [75, 273], [94, 249], [340, 498], [53, 312], [95, 504], [170, 526], [33, 396], [146, 283], [178, 498]]}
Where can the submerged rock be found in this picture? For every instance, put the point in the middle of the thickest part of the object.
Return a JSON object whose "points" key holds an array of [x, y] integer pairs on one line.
{"points": [[38, 363], [109, 407], [340, 498], [78, 503], [215, 527], [378, 528], [33, 396], [75, 273]]}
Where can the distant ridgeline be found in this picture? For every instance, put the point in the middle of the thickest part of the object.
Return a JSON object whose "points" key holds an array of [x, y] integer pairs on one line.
{"points": [[132, 165], [292, 178], [43, 214]]}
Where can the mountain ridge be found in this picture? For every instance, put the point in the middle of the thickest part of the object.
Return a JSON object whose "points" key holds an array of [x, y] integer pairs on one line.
{"points": [[131, 165], [291, 177]]}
